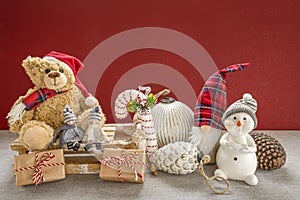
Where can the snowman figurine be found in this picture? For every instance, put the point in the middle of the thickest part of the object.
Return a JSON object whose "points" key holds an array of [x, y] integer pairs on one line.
{"points": [[236, 157]]}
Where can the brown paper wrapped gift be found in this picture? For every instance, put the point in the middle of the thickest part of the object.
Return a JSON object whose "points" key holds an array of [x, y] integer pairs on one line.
{"points": [[38, 167], [125, 165]]}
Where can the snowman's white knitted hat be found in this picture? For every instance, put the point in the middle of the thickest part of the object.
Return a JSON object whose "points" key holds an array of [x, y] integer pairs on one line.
{"points": [[68, 114], [245, 105]]}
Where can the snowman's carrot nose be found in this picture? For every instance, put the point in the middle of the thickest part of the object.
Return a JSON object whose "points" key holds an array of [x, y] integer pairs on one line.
{"points": [[239, 123]]}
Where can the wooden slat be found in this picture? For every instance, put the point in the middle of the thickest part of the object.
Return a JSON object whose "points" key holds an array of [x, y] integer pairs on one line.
{"points": [[78, 164], [81, 161], [82, 168]]}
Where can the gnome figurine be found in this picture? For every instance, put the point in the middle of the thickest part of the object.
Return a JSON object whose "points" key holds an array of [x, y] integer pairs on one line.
{"points": [[236, 157], [210, 106], [68, 133], [94, 134]]}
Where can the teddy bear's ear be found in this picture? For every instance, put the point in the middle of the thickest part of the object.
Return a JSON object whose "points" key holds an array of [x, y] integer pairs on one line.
{"points": [[31, 62], [34, 69]]}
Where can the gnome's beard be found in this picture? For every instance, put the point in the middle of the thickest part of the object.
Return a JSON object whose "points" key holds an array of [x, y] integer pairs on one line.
{"points": [[205, 141]]}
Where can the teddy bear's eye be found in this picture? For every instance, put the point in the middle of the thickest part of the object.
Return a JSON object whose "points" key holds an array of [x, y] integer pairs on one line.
{"points": [[61, 70], [47, 71]]}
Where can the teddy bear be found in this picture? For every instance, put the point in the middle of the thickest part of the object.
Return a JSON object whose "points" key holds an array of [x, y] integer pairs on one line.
{"points": [[36, 115]]}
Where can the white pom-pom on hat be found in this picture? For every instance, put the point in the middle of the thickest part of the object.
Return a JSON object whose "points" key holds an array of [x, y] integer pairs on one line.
{"points": [[90, 100], [247, 96], [245, 105]]}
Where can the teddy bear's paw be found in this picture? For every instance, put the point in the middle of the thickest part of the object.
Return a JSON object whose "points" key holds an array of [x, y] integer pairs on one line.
{"points": [[36, 138], [36, 135]]}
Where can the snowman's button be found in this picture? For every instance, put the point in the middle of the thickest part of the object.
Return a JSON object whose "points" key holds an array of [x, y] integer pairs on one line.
{"points": [[235, 158]]}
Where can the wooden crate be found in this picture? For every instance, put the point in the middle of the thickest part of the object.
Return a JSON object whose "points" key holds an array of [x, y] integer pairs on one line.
{"points": [[83, 162]]}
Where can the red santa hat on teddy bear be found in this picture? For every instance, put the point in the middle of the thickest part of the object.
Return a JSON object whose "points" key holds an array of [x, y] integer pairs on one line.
{"points": [[74, 65]]}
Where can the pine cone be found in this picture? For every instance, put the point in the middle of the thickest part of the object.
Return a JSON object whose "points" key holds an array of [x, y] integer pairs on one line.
{"points": [[176, 158], [270, 153]]}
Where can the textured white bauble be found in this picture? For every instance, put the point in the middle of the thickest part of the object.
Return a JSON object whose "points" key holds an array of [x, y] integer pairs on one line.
{"points": [[173, 121]]}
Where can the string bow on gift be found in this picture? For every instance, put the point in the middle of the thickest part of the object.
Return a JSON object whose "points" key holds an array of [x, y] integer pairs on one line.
{"points": [[38, 176], [123, 160]]}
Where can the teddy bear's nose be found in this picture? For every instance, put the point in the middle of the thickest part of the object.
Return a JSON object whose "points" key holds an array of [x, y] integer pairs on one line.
{"points": [[53, 75]]}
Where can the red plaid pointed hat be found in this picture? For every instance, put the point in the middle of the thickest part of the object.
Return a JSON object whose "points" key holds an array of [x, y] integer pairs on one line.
{"points": [[211, 103]]}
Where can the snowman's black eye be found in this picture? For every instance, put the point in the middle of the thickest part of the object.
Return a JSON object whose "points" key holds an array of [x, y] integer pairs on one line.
{"points": [[245, 119], [234, 119]]}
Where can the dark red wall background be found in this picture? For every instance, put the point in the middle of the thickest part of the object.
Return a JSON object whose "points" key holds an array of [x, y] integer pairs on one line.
{"points": [[264, 33]]}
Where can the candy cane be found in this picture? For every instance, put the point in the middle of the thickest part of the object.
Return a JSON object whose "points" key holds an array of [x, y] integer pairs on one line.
{"points": [[124, 98], [144, 115], [147, 124]]}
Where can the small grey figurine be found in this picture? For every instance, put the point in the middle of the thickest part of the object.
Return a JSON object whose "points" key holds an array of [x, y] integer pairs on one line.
{"points": [[94, 134], [68, 133]]}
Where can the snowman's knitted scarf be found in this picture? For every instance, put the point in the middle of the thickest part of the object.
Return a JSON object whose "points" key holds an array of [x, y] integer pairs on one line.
{"points": [[30, 102]]}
